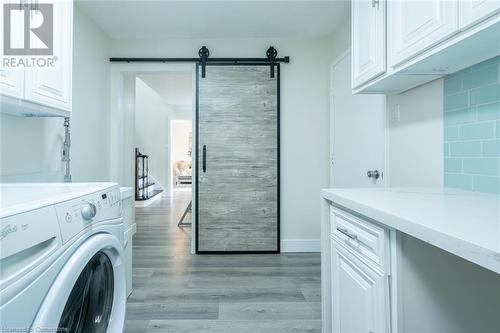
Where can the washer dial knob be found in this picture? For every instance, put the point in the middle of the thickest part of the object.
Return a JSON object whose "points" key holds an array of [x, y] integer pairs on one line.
{"points": [[89, 211]]}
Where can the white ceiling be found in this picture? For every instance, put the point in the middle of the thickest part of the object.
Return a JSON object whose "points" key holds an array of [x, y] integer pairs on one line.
{"points": [[175, 89], [216, 19]]}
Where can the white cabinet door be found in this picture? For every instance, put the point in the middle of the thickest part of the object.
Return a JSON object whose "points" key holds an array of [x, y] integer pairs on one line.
{"points": [[473, 11], [360, 295], [53, 87], [357, 136], [11, 80], [368, 40], [414, 26], [12, 83]]}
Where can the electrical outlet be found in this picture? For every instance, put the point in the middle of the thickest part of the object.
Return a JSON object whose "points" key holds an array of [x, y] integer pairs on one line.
{"points": [[395, 114]]}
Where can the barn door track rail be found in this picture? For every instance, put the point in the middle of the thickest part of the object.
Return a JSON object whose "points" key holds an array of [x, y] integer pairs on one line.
{"points": [[204, 59]]}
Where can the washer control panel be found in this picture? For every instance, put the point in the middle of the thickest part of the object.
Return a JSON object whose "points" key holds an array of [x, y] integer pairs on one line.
{"points": [[77, 214]]}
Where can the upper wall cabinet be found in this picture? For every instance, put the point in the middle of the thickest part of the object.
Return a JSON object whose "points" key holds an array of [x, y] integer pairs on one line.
{"points": [[52, 87], [426, 39], [414, 26], [44, 87], [368, 40], [472, 11], [12, 83]]}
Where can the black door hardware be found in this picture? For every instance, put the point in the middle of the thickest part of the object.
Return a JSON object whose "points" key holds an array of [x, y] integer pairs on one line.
{"points": [[204, 158]]}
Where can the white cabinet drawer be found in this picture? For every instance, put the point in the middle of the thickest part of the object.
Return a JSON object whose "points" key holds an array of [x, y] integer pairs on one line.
{"points": [[367, 240]]}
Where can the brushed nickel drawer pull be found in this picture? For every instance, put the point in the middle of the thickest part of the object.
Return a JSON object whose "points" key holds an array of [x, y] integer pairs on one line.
{"points": [[347, 233]]}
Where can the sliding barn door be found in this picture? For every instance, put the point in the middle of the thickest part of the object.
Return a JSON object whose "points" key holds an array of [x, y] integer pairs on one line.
{"points": [[238, 159]]}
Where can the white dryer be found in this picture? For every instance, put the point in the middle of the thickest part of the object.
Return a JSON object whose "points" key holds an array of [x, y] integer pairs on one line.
{"points": [[61, 258]]}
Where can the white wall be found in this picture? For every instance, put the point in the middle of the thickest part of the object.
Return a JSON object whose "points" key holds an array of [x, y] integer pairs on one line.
{"points": [[340, 42], [152, 132], [415, 141], [31, 148], [180, 140], [304, 118]]}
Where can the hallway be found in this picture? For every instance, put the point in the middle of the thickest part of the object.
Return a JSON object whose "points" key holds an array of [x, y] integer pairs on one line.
{"points": [[175, 291]]}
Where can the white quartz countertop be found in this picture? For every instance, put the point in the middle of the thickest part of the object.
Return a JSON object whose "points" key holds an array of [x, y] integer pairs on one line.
{"points": [[464, 223], [17, 198]]}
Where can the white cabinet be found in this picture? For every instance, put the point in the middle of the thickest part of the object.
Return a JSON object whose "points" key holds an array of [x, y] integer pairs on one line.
{"points": [[426, 39], [12, 83], [414, 26], [11, 80], [52, 87], [361, 296], [44, 90], [368, 40], [378, 279], [472, 11], [359, 275]]}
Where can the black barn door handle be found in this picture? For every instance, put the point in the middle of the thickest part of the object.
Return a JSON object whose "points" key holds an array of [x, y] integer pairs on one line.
{"points": [[204, 158]]}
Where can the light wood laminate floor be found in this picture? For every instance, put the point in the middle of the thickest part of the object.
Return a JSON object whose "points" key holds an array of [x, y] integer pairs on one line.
{"points": [[175, 291]]}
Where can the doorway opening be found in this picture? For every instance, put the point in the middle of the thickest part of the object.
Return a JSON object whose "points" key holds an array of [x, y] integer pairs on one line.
{"points": [[163, 130], [146, 99], [181, 152]]}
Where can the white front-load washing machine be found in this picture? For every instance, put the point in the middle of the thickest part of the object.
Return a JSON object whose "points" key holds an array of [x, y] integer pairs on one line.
{"points": [[61, 258]]}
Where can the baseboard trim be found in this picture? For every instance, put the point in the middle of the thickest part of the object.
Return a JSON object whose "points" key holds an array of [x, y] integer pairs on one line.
{"points": [[145, 203], [300, 245]]}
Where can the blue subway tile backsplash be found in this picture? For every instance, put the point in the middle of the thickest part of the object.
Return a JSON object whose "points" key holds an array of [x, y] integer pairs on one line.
{"points": [[485, 94], [460, 116], [491, 148], [453, 165], [484, 130], [465, 149], [456, 180], [472, 128]]}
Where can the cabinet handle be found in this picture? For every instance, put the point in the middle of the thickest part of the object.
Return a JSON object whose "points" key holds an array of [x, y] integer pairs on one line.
{"points": [[375, 3], [347, 233]]}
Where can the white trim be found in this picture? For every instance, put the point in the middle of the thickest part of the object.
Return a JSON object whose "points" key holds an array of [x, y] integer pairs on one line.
{"points": [[194, 170], [300, 245], [396, 261], [340, 57], [331, 111]]}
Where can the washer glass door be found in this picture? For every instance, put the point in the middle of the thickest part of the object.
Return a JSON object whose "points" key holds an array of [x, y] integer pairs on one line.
{"points": [[90, 303]]}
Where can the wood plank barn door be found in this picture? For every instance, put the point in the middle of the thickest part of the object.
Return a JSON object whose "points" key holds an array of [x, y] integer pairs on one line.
{"points": [[237, 159]]}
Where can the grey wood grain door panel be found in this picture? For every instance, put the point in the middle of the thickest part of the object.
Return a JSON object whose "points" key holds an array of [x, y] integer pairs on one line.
{"points": [[237, 196]]}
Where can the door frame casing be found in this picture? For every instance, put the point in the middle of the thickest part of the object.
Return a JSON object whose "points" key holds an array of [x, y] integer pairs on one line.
{"points": [[196, 152], [331, 110]]}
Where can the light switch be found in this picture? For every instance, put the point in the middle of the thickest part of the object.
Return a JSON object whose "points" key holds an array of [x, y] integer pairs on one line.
{"points": [[395, 114]]}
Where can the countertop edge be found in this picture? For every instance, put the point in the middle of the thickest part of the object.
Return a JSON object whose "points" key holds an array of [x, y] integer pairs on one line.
{"points": [[474, 253]]}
